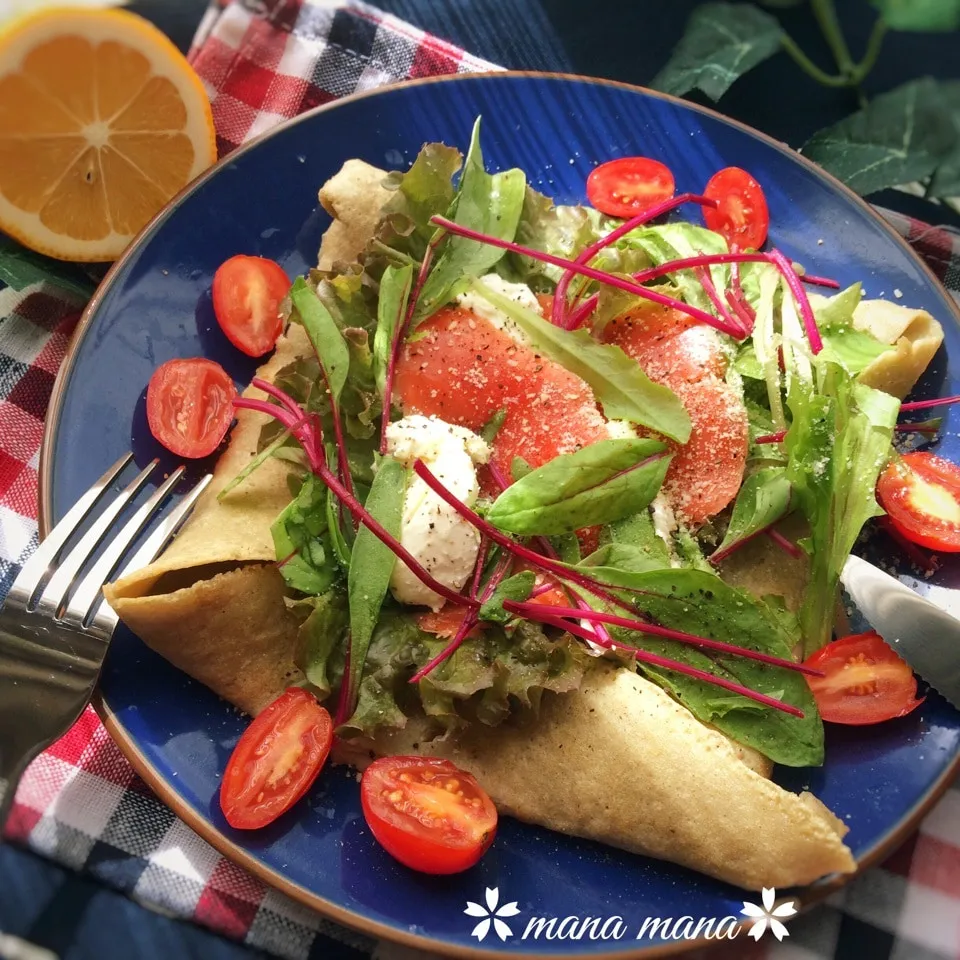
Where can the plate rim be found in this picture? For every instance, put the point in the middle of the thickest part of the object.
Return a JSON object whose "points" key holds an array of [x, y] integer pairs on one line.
{"points": [[808, 896]]}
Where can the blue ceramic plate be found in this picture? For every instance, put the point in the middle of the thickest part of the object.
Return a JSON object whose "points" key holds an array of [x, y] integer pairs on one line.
{"points": [[262, 200]]}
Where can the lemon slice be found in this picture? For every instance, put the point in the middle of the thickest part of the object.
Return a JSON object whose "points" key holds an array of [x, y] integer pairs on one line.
{"points": [[102, 121]]}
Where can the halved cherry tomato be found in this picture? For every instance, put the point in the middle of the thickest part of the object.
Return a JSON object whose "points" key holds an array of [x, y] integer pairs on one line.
{"points": [[428, 814], [921, 494], [629, 185], [246, 299], [865, 681], [741, 214], [276, 760], [190, 406]]}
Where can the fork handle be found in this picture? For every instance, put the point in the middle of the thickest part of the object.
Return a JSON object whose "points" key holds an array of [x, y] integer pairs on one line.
{"points": [[40, 699]]}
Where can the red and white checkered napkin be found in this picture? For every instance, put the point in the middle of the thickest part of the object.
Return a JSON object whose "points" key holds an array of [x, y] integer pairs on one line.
{"points": [[80, 802]]}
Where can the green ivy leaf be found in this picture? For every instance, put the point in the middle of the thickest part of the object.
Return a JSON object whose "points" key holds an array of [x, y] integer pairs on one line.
{"points": [[20, 268], [721, 43], [946, 179], [899, 137], [920, 15]]}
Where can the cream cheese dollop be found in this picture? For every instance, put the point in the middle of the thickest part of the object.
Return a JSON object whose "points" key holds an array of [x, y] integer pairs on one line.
{"points": [[518, 292], [444, 543]]}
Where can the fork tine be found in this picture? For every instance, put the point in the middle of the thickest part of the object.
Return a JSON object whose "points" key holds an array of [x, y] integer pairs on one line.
{"points": [[35, 569], [105, 618], [171, 524], [62, 579], [85, 596]]}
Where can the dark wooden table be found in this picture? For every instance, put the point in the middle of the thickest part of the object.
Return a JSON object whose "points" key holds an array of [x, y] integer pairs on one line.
{"points": [[78, 918]]}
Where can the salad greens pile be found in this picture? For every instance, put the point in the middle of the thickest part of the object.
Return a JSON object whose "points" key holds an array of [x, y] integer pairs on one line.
{"points": [[359, 645]]}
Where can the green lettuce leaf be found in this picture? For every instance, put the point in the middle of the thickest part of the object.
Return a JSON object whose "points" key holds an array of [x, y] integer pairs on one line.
{"points": [[838, 442], [302, 542], [324, 334], [321, 640], [391, 309], [557, 229]]}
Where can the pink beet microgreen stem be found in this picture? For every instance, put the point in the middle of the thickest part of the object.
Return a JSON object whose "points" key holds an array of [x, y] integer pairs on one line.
{"points": [[609, 279], [400, 336], [787, 546], [742, 310], [469, 620], [588, 253], [308, 432], [546, 547], [926, 404], [819, 281], [919, 427], [772, 437], [800, 297], [655, 630], [555, 567], [706, 281], [546, 616]]}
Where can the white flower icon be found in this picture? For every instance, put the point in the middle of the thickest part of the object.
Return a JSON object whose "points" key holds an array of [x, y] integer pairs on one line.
{"points": [[491, 915], [768, 914]]}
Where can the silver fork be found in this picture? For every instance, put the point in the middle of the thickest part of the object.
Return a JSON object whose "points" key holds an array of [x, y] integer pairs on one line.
{"points": [[55, 627]]}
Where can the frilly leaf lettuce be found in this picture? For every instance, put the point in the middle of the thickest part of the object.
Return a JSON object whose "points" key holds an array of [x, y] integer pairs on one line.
{"points": [[558, 229], [480, 682]]}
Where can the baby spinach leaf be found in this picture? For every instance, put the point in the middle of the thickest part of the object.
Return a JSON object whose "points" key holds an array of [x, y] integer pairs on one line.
{"points": [[600, 483], [625, 556], [898, 137], [700, 603], [763, 499], [324, 334], [516, 588], [489, 203], [920, 15], [623, 390], [637, 532], [372, 562], [721, 43], [391, 309]]}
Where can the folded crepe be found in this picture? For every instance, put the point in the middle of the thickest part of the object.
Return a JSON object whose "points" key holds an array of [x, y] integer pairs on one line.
{"points": [[617, 760]]}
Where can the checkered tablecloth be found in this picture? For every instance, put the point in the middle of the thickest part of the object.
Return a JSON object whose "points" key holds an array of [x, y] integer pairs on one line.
{"points": [[80, 802]]}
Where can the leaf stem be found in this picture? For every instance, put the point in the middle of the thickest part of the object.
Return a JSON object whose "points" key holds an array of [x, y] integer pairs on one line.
{"points": [[791, 47], [872, 52], [826, 16]]}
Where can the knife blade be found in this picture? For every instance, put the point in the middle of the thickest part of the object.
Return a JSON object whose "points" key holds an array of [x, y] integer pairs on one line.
{"points": [[924, 630]]}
